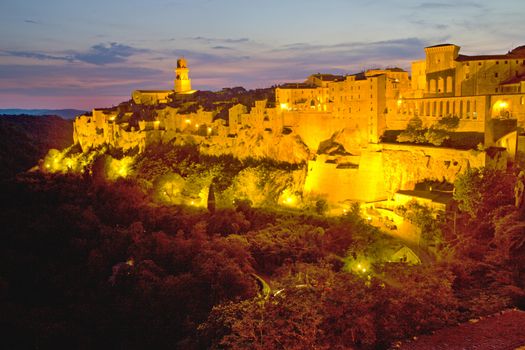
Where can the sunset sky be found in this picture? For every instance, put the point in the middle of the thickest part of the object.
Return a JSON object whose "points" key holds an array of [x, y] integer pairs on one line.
{"points": [[85, 54]]}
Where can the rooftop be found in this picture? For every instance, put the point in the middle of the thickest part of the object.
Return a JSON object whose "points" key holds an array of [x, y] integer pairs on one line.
{"points": [[328, 77], [518, 52], [297, 86]]}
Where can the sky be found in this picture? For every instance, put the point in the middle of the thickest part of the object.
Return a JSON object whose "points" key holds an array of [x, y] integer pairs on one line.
{"points": [[86, 54]]}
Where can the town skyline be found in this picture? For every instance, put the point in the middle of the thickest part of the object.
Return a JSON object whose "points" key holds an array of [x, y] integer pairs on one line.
{"points": [[92, 55]]}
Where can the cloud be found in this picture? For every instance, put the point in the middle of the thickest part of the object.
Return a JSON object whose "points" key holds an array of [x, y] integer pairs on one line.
{"points": [[75, 80], [102, 54], [221, 40], [220, 47], [403, 48], [444, 5], [31, 21], [36, 55], [427, 24]]}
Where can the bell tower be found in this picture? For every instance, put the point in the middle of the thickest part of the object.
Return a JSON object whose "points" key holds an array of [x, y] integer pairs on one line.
{"points": [[182, 80]]}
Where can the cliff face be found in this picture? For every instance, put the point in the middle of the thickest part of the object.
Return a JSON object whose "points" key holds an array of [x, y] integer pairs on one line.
{"points": [[404, 166], [258, 144], [346, 167]]}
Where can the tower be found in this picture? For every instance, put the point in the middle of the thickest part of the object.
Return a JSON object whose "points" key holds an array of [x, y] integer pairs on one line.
{"points": [[182, 80]]}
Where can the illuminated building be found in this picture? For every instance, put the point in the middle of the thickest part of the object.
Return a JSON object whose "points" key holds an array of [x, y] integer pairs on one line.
{"points": [[337, 124]]}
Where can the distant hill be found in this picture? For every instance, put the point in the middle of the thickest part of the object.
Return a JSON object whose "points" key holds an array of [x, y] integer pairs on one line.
{"points": [[25, 139], [64, 113]]}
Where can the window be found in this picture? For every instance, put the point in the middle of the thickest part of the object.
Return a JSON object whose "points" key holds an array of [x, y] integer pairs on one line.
{"points": [[479, 63], [496, 75], [506, 62], [497, 62]]}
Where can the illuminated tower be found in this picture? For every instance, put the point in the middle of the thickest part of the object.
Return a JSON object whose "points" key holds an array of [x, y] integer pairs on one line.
{"points": [[182, 80]]}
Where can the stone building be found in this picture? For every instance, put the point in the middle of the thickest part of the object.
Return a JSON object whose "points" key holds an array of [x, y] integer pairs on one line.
{"points": [[335, 124], [155, 97]]}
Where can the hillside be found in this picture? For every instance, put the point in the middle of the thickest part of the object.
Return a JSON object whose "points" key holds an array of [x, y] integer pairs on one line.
{"points": [[64, 113], [25, 139]]}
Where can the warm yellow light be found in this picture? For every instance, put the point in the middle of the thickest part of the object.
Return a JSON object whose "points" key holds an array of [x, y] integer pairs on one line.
{"points": [[399, 102], [503, 104], [192, 202], [196, 126], [284, 106], [209, 130], [289, 200], [112, 118], [122, 171], [188, 121]]}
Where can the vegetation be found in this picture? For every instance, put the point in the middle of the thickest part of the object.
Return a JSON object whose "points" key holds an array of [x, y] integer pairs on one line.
{"points": [[26, 139], [435, 135], [90, 261], [87, 264]]}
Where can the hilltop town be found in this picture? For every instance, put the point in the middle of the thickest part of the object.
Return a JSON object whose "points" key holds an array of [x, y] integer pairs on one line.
{"points": [[365, 137], [343, 212]]}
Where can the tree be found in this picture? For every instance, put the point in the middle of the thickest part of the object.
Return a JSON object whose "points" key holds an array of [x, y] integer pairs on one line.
{"points": [[479, 191]]}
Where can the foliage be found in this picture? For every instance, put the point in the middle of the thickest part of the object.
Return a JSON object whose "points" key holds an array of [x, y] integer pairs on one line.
{"points": [[87, 263], [479, 191], [425, 219], [341, 310], [435, 135]]}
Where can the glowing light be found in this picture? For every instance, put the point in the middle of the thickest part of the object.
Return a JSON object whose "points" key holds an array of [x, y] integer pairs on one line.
{"points": [[112, 118], [209, 130], [399, 102], [123, 171], [503, 104], [196, 126], [192, 202], [48, 166], [288, 198], [284, 106], [188, 121]]}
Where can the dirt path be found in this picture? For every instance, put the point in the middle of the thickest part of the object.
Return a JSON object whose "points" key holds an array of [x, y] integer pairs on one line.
{"points": [[504, 331]]}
